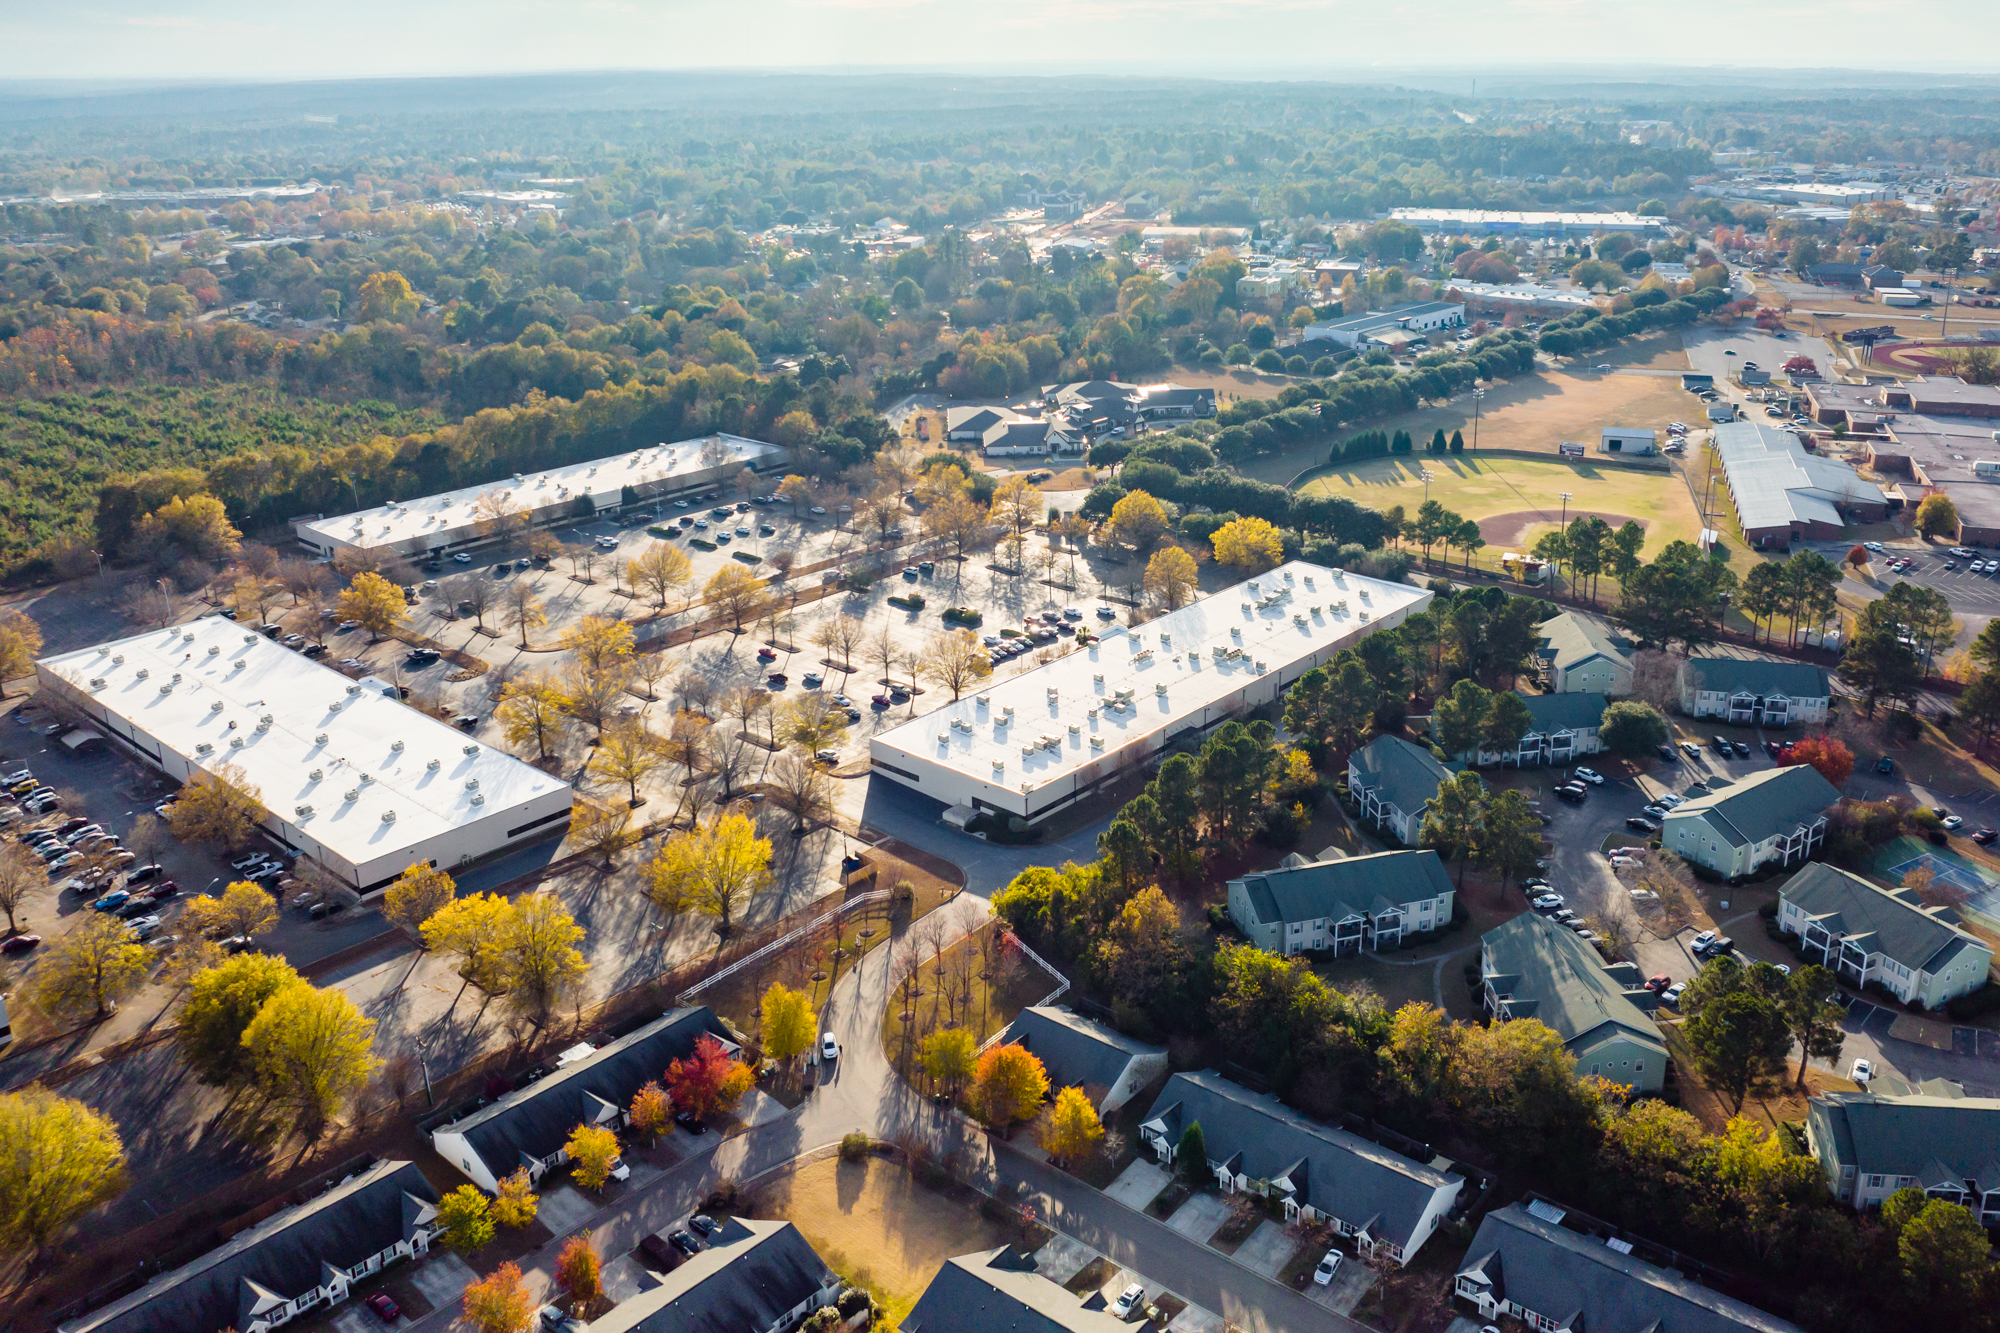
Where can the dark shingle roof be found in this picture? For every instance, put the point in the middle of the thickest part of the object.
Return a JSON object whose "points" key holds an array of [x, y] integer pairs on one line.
{"points": [[1346, 1175], [750, 1275], [1558, 978], [282, 1254], [1403, 774], [1579, 711], [1076, 1052], [1562, 1273], [1572, 638], [1908, 1136], [1337, 889], [1881, 920], [537, 1120], [999, 1291], [1734, 675]]}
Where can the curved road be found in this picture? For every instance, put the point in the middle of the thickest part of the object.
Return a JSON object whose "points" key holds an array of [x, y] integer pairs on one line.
{"points": [[862, 1092]]}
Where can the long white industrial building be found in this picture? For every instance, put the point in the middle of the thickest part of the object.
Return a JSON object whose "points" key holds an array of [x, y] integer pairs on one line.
{"points": [[1031, 745], [348, 774], [454, 520]]}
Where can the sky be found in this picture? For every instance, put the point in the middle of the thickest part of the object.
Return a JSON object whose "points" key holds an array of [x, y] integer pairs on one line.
{"points": [[1345, 39]]}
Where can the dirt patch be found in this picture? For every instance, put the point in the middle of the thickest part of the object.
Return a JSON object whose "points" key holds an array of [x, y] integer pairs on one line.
{"points": [[1508, 529], [874, 1223]]}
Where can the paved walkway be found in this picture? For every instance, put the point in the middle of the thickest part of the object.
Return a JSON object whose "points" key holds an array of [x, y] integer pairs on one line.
{"points": [[862, 1092]]}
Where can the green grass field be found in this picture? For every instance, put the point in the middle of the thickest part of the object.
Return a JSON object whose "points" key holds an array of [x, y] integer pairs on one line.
{"points": [[1514, 500]]}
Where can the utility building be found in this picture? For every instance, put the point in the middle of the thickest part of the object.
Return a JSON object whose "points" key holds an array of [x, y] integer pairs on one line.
{"points": [[348, 774], [1037, 743]]}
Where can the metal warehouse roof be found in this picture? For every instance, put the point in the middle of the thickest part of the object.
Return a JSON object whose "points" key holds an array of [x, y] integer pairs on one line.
{"points": [[1044, 724], [374, 773], [1776, 483]]}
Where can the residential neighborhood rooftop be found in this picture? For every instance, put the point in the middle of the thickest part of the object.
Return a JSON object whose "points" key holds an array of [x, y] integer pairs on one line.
{"points": [[1750, 809], [1571, 637], [999, 1291], [1892, 922], [1545, 971], [1936, 1140], [1751, 675], [750, 1275], [1402, 774], [1379, 883]]}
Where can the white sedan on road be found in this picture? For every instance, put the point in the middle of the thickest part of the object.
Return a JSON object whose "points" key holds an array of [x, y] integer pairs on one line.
{"points": [[829, 1047]]}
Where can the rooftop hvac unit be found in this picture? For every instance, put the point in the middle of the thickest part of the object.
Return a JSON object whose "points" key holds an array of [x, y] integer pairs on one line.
{"points": [[203, 748], [468, 749], [1096, 741], [1160, 689], [177, 677], [366, 779], [1364, 617], [985, 701], [1052, 692], [143, 673], [434, 765], [944, 738], [1298, 618], [215, 650], [472, 784], [264, 723], [1097, 677], [249, 638], [1310, 586], [352, 794], [303, 811], [97, 682], [396, 745], [320, 739], [354, 689], [166, 689], [235, 742], [478, 800], [1028, 749], [317, 774], [237, 665], [215, 707], [118, 659], [1246, 608], [388, 816], [1075, 730], [1288, 576]]}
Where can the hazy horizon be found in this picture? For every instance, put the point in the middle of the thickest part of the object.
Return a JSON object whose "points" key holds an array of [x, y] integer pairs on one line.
{"points": [[200, 41]]}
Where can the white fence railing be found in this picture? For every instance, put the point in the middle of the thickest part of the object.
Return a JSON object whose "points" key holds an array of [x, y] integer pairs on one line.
{"points": [[1062, 985], [790, 937]]}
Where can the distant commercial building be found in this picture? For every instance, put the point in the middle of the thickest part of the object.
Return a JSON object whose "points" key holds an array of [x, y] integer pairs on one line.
{"points": [[1001, 434], [1776, 815], [1415, 319], [1090, 408], [1533, 298], [1866, 934], [1936, 430], [1489, 222], [1783, 493], [1532, 967], [348, 774], [1036, 743], [1347, 904], [1626, 440], [473, 515]]}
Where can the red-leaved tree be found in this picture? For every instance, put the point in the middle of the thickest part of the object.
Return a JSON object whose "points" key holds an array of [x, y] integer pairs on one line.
{"points": [[708, 1080], [580, 1270], [1833, 759]]}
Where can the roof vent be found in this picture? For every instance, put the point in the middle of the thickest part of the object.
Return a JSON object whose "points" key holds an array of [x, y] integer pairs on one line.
{"points": [[388, 816], [215, 707], [265, 720], [97, 682], [214, 650], [166, 689], [434, 765], [478, 800], [472, 784], [316, 774], [203, 747], [351, 795], [237, 665], [235, 742], [118, 659], [366, 779], [354, 689], [468, 749], [143, 673], [320, 739], [177, 677], [249, 638], [303, 811], [396, 745]]}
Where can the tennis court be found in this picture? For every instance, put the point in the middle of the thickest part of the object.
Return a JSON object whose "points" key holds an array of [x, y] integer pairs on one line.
{"points": [[1899, 858]]}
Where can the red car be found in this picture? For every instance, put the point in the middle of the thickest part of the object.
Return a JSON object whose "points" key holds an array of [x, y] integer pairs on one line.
{"points": [[1659, 983], [385, 1309], [20, 943], [767, 654]]}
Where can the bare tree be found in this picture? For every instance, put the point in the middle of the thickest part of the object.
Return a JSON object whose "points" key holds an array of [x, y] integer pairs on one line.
{"points": [[805, 790], [882, 649], [728, 760], [22, 878], [839, 634], [696, 690], [649, 669], [1656, 678], [476, 591]]}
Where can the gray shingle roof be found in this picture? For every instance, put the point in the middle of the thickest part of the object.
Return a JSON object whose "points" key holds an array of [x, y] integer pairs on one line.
{"points": [[537, 1120], [999, 1291], [1076, 1052], [1571, 639], [1346, 1175], [1558, 978], [977, 419], [1883, 921], [1402, 774], [1776, 800], [1354, 884], [1577, 711], [750, 1275], [1747, 675], [1908, 1136], [1559, 1273], [282, 1255]]}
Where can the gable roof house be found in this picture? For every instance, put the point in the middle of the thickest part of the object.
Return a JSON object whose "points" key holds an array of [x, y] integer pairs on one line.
{"points": [[1776, 815], [1561, 728], [304, 1258], [1163, 401], [1871, 1145], [1562, 1281], [1864, 933], [1392, 781], [1381, 1199], [1079, 1053], [1345, 905], [999, 1291], [966, 424], [1580, 653], [529, 1126], [1754, 693], [751, 1277], [1530, 967]]}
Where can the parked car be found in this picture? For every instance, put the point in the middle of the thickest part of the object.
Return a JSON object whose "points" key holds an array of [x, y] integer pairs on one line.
{"points": [[1700, 943], [685, 1243], [1671, 996], [1642, 824], [1861, 1070], [1571, 794], [1885, 765], [1130, 1299], [1690, 749], [1654, 811], [829, 1047], [145, 872], [19, 943], [691, 1122], [1984, 837], [702, 1224], [1669, 753], [1951, 822], [1590, 775], [1659, 983], [657, 1254]]}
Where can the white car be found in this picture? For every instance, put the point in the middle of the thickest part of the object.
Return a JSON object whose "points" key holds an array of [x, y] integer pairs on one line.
{"points": [[1130, 1299], [1702, 941], [1669, 800], [829, 1046], [1328, 1267], [1961, 553], [1871, 546], [1862, 1071], [1591, 775], [1951, 822]]}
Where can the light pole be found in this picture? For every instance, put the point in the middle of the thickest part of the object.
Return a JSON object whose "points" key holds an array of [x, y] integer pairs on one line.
{"points": [[1477, 394], [1565, 497]]}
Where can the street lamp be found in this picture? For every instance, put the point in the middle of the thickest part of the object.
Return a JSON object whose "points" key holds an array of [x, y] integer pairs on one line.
{"points": [[1429, 477], [1477, 395], [1565, 497]]}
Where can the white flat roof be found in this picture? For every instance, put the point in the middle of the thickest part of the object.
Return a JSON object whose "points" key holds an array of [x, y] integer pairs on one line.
{"points": [[1053, 705], [214, 682], [1509, 217], [435, 515]]}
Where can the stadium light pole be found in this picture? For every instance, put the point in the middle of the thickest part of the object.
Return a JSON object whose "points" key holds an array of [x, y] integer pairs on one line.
{"points": [[1477, 395]]}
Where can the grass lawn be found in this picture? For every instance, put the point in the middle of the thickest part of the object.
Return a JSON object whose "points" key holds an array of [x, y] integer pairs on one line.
{"points": [[1514, 500], [877, 1226], [1781, 1104]]}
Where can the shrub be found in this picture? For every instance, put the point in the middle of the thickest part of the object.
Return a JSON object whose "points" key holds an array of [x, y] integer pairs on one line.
{"points": [[856, 1147], [701, 543]]}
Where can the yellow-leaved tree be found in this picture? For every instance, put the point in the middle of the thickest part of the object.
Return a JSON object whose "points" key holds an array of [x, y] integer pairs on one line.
{"points": [[387, 296], [221, 805], [1170, 577], [1248, 545], [90, 969], [1009, 1085], [949, 1057], [311, 1050], [58, 1160], [714, 869], [788, 1022], [243, 910], [1071, 1131], [1138, 520], [373, 603], [20, 645], [418, 894], [515, 1201], [592, 1150]]}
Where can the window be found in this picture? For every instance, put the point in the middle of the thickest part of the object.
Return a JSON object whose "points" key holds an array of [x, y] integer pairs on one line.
{"points": [[1639, 1066]]}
